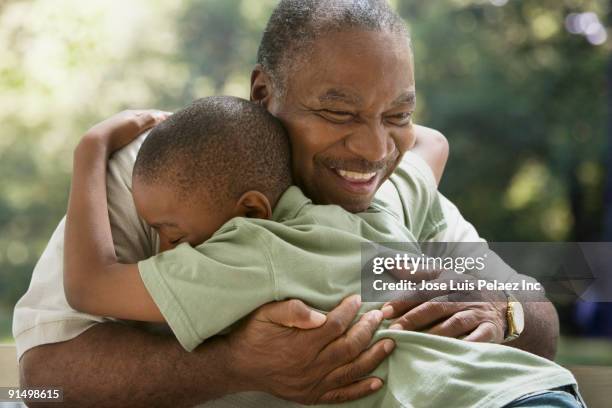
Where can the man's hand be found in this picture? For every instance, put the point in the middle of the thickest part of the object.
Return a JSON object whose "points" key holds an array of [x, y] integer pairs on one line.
{"points": [[120, 129], [323, 364], [474, 316], [326, 363]]}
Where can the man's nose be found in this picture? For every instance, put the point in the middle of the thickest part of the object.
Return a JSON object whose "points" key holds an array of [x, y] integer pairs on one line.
{"points": [[371, 142]]}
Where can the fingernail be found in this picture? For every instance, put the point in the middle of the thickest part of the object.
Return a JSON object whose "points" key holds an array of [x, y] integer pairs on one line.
{"points": [[395, 327], [375, 315], [388, 345], [376, 384], [357, 300], [387, 310], [317, 318]]}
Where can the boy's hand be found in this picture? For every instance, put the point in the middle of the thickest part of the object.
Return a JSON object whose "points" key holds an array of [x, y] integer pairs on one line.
{"points": [[120, 129]]}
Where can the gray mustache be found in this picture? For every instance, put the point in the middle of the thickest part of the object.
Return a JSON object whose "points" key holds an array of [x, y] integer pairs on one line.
{"points": [[359, 165]]}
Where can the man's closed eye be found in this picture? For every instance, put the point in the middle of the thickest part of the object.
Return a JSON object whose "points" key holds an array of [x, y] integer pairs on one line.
{"points": [[400, 119], [336, 116]]}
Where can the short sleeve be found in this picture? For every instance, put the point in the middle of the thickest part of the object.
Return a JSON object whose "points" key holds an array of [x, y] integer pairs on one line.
{"points": [[462, 239], [431, 217], [416, 187], [202, 291], [42, 315], [457, 229]]}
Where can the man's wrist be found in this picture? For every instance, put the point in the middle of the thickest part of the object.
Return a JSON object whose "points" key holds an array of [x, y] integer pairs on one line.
{"points": [[504, 320], [515, 318], [504, 314]]}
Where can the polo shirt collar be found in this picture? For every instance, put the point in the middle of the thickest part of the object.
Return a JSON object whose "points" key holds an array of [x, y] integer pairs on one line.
{"points": [[290, 204]]}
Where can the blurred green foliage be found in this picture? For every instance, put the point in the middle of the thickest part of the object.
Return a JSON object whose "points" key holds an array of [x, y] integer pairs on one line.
{"points": [[523, 104], [521, 100]]}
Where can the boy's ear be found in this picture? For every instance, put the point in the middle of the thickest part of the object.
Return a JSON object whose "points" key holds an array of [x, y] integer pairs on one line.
{"points": [[253, 204], [261, 86]]}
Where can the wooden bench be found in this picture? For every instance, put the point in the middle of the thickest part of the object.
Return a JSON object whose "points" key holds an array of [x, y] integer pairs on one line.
{"points": [[595, 382]]}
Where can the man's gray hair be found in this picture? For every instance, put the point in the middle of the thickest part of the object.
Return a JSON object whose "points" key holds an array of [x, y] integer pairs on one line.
{"points": [[296, 24]]}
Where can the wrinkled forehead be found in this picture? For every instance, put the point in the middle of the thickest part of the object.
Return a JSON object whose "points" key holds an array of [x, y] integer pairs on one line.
{"points": [[357, 63]]}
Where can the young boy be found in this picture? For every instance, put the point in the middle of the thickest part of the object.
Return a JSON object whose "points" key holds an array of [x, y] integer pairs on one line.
{"points": [[217, 176]]}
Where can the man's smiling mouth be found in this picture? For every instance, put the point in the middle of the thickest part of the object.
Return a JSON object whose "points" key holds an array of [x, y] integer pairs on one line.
{"points": [[355, 176], [358, 177], [356, 182]]}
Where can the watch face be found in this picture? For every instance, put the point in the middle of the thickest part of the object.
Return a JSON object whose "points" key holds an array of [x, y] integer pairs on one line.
{"points": [[518, 316]]}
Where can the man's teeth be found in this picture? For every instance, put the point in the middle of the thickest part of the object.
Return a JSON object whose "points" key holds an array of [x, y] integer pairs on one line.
{"points": [[355, 176]]}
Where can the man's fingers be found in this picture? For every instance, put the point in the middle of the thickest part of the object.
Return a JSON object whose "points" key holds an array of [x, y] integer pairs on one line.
{"points": [[487, 332], [388, 311], [290, 313], [352, 392], [416, 275], [362, 366], [356, 340], [338, 320], [425, 315], [404, 303], [459, 324]]}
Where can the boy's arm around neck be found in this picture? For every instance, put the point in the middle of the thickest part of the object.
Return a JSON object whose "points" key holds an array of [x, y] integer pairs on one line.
{"points": [[433, 147], [94, 281]]}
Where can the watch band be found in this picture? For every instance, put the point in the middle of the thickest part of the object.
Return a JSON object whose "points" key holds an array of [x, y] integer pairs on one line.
{"points": [[513, 331]]}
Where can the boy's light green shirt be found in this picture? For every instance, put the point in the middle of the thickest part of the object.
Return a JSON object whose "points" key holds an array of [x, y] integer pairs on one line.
{"points": [[313, 253]]}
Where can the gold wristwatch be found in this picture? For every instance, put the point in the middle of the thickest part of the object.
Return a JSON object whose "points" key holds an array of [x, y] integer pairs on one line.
{"points": [[515, 319]]}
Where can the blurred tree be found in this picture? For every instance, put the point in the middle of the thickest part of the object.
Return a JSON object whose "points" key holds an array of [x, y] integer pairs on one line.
{"points": [[595, 318], [218, 41], [522, 102], [607, 235], [64, 66]]}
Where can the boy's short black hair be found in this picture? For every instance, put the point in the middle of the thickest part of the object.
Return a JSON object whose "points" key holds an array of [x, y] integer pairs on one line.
{"points": [[221, 145]]}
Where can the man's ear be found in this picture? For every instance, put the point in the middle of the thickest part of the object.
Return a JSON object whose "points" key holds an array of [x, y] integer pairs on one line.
{"points": [[261, 86], [253, 204]]}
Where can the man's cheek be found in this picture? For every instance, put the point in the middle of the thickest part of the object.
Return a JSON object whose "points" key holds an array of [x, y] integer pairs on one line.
{"points": [[405, 141]]}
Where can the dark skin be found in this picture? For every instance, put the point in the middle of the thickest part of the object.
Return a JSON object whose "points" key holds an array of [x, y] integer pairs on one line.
{"points": [[87, 365], [283, 348], [346, 118], [179, 379], [350, 109], [331, 355], [467, 315]]}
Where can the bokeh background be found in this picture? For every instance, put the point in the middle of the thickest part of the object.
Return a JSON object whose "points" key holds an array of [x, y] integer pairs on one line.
{"points": [[519, 87]]}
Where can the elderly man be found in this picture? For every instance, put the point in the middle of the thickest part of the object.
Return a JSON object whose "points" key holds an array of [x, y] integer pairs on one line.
{"points": [[339, 75]]}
